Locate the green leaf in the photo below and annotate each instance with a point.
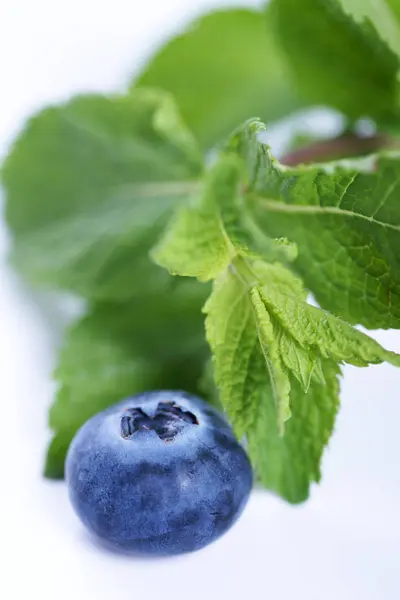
(270, 348)
(242, 359)
(56, 453)
(288, 464)
(383, 15)
(314, 328)
(207, 387)
(344, 219)
(311, 327)
(343, 53)
(196, 242)
(90, 185)
(224, 68)
(239, 365)
(304, 363)
(120, 350)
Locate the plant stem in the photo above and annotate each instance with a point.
(346, 145)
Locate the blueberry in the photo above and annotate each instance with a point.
(160, 473)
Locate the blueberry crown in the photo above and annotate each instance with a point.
(168, 420)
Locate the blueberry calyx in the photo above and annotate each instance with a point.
(168, 420)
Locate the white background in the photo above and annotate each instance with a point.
(344, 544)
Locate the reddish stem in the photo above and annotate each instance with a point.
(346, 145)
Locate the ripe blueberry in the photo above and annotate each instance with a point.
(160, 473)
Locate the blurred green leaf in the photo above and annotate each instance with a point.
(223, 69)
(342, 53)
(89, 186)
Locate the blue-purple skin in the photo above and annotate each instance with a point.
(160, 473)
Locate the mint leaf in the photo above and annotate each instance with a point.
(316, 329)
(285, 463)
(301, 359)
(304, 363)
(288, 464)
(239, 365)
(224, 68)
(344, 219)
(120, 350)
(271, 350)
(196, 243)
(96, 179)
(363, 81)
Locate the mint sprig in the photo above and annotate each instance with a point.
(262, 331)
